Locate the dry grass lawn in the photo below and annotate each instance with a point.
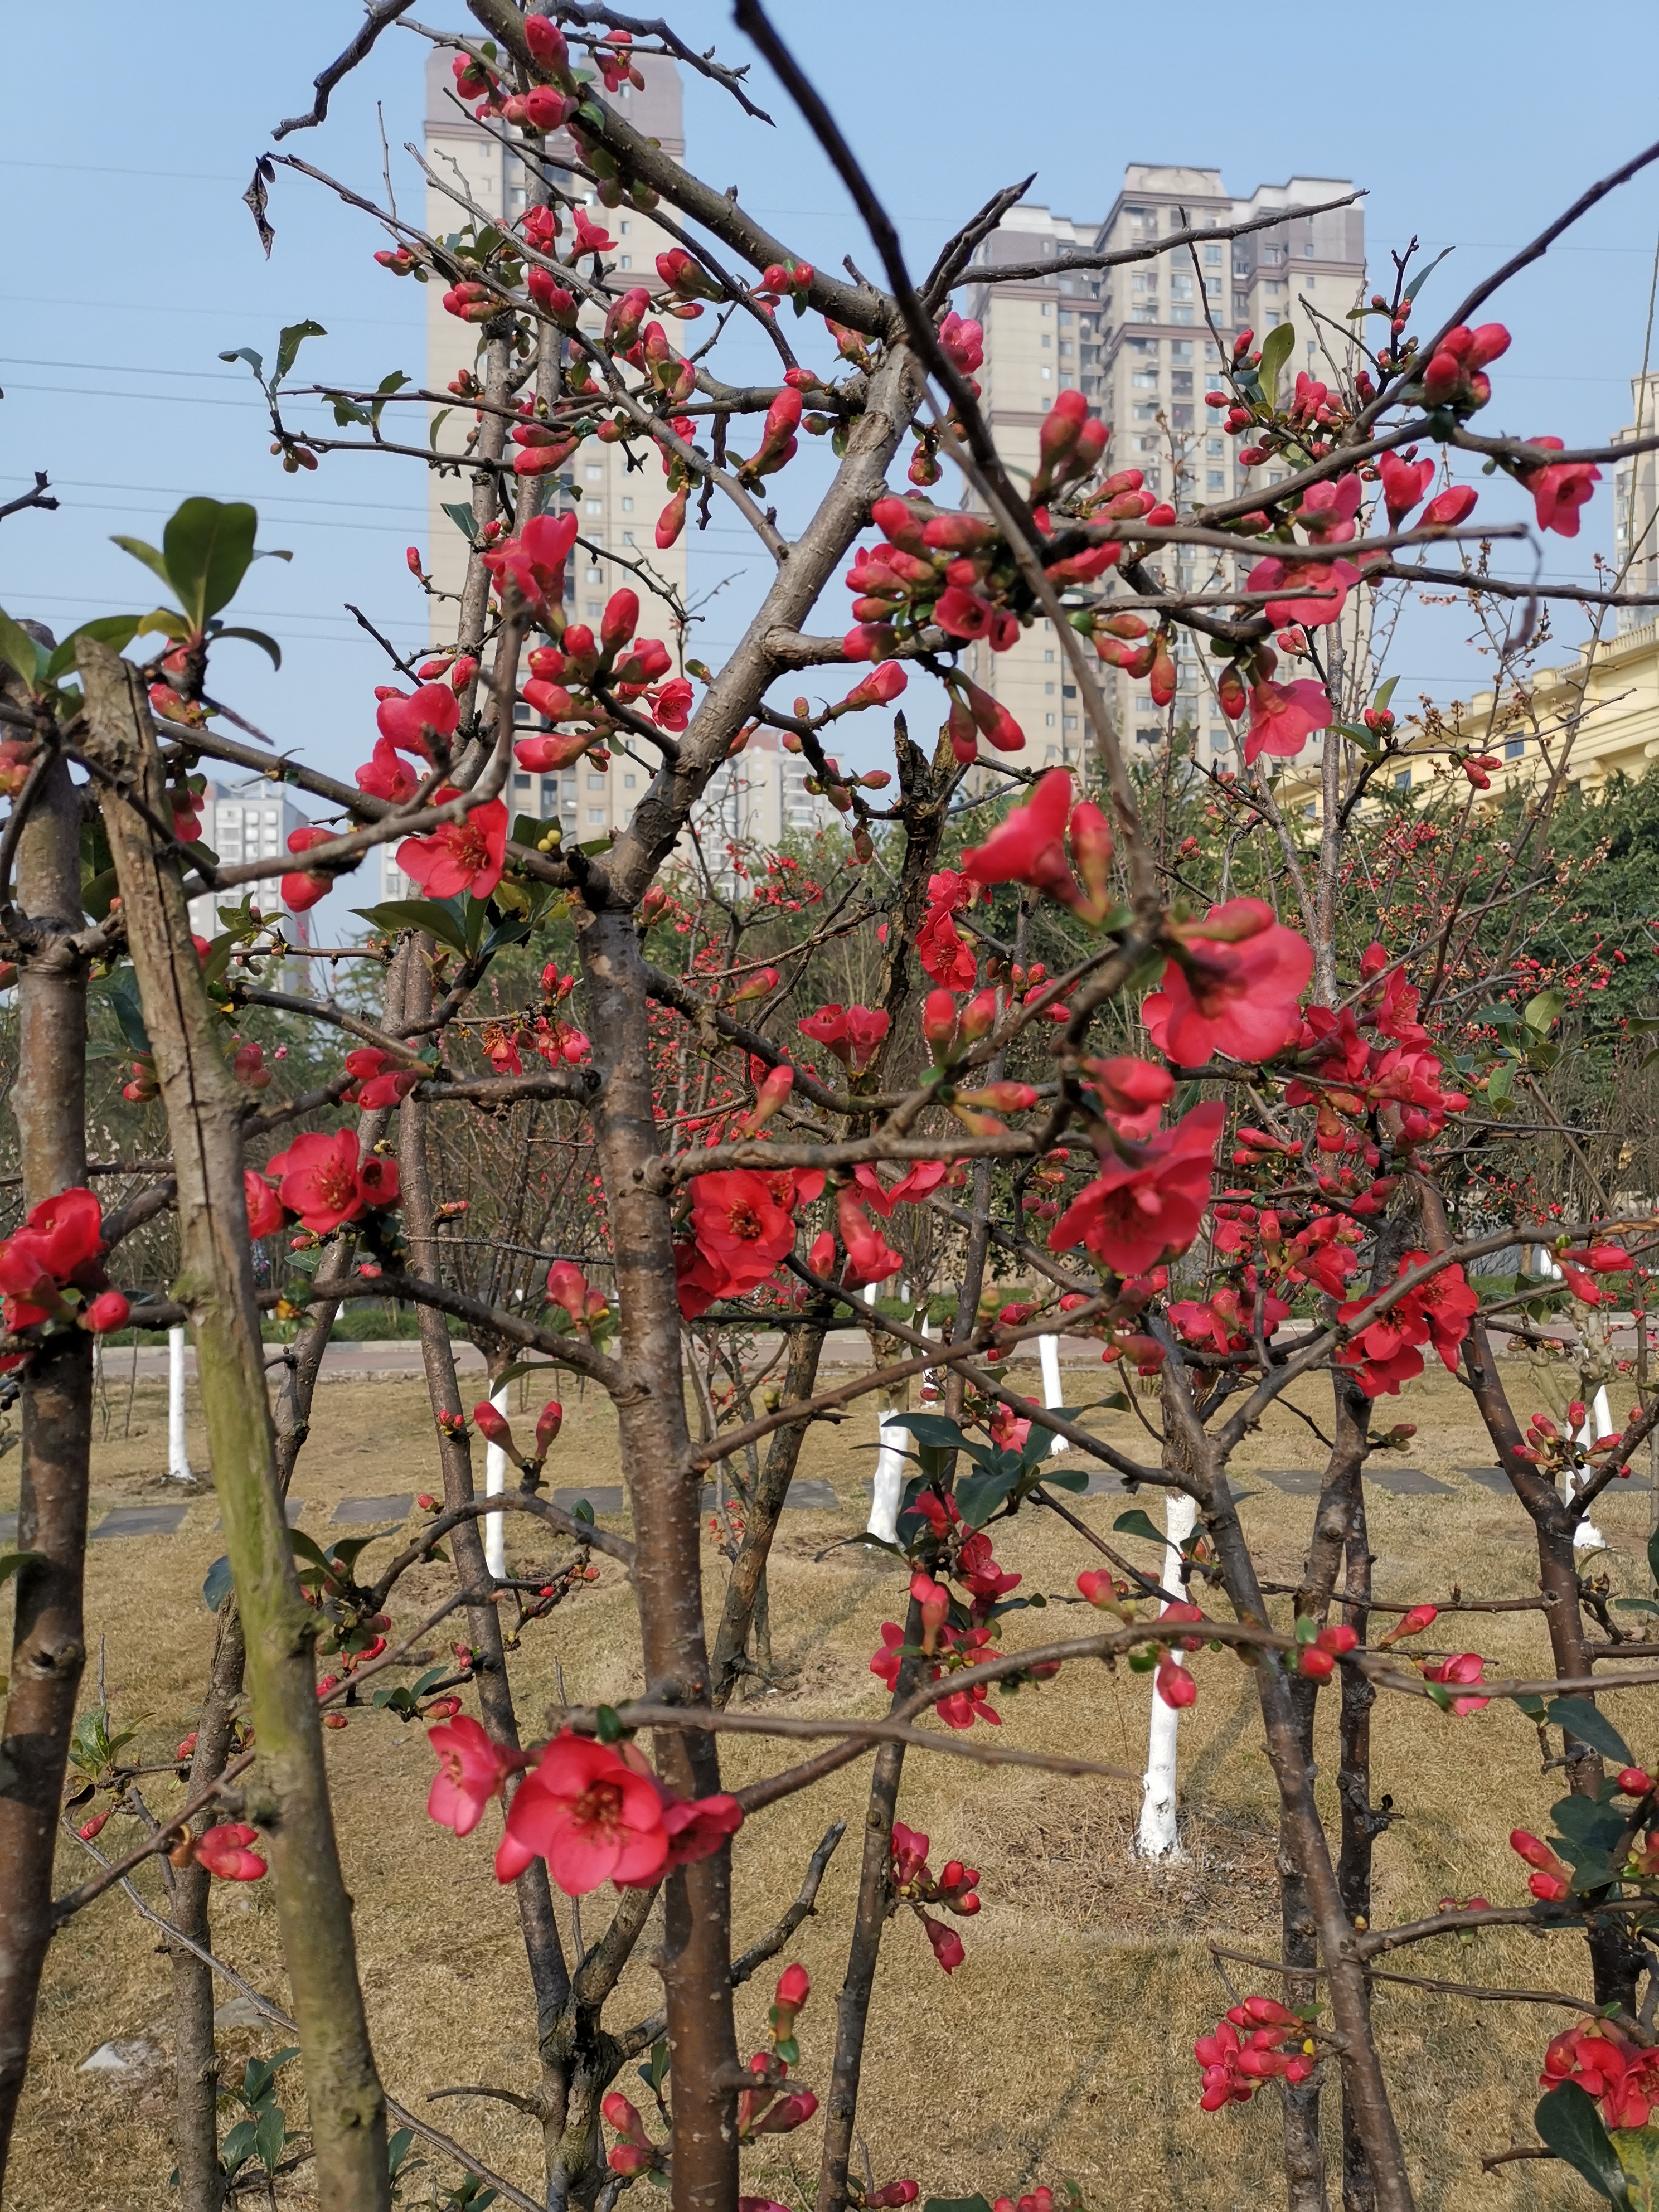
(1062, 2046)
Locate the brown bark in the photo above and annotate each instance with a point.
(1345, 1985)
(195, 2062)
(746, 1584)
(1361, 1824)
(664, 1491)
(48, 1638)
(870, 1918)
(215, 1286)
(1616, 1959)
(549, 1974)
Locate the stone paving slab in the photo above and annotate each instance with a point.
(1294, 1481)
(362, 1510)
(140, 1520)
(1406, 1481)
(1489, 1478)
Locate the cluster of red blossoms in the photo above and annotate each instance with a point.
(321, 1180)
(595, 1812)
(60, 1248)
(1247, 2047)
(1621, 2075)
(956, 1888)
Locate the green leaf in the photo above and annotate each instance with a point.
(1637, 2152)
(218, 1586)
(1275, 351)
(437, 919)
(397, 2149)
(609, 1724)
(1075, 1479)
(1135, 1523)
(237, 2148)
(267, 644)
(1653, 1557)
(19, 651)
(124, 998)
(463, 517)
(347, 411)
(583, 1511)
(10, 1563)
(1542, 1012)
(269, 2136)
(207, 545)
(437, 424)
(934, 1430)
(1581, 1718)
(1569, 2124)
(289, 342)
(1423, 274)
(256, 362)
(146, 553)
(978, 1496)
(1384, 692)
(116, 631)
(1531, 1707)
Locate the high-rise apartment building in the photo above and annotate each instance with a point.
(1636, 503)
(618, 502)
(1144, 342)
(250, 820)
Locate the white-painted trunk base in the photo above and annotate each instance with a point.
(495, 1483)
(1587, 1537)
(1157, 1837)
(178, 1457)
(1049, 1354)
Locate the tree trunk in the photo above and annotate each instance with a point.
(215, 1286)
(665, 1490)
(48, 1638)
(549, 1974)
(1361, 1825)
(745, 1588)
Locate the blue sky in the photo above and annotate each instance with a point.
(133, 262)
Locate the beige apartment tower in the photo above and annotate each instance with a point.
(1138, 341)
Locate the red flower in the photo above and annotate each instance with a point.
(472, 1769)
(69, 1230)
(1149, 1198)
(741, 1235)
(409, 720)
(1235, 989)
(590, 1815)
(108, 1310)
(533, 562)
(947, 1944)
(697, 1826)
(1404, 483)
(852, 1033)
(1560, 492)
(1462, 1667)
(1622, 2075)
(319, 1180)
(387, 774)
(1315, 593)
(1283, 715)
(869, 1257)
(223, 1850)
(462, 856)
(939, 945)
(1027, 848)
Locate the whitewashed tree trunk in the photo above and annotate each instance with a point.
(1156, 1838)
(887, 1489)
(178, 1457)
(1049, 1354)
(1587, 1537)
(495, 1483)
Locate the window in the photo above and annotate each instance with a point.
(1049, 690)
(595, 506)
(1180, 351)
(1045, 340)
(1181, 383)
(1215, 480)
(1043, 311)
(627, 537)
(521, 783)
(1045, 372)
(1212, 257)
(1307, 249)
(1066, 317)
(596, 814)
(1068, 690)
(628, 506)
(627, 783)
(625, 229)
(1065, 345)
(1514, 748)
(1049, 721)
(1403, 780)
(595, 780)
(1144, 379)
(594, 473)
(1047, 653)
(1214, 447)
(626, 259)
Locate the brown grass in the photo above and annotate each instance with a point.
(1062, 2046)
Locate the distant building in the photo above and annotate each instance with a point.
(1136, 341)
(759, 798)
(250, 821)
(618, 506)
(1636, 503)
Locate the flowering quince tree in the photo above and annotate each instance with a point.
(1210, 1102)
